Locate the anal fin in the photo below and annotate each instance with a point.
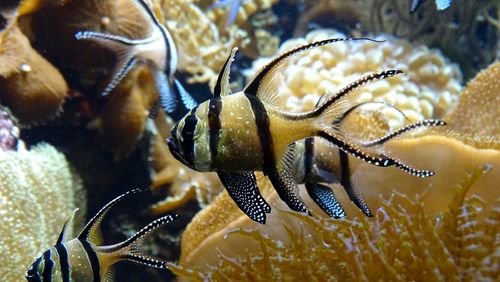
(324, 197)
(351, 190)
(242, 187)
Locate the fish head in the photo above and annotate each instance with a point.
(186, 138)
(36, 269)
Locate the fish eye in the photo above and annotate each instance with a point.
(189, 127)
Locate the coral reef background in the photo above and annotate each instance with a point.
(50, 87)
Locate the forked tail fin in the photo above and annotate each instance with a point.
(130, 248)
(331, 110)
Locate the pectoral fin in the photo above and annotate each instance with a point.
(282, 178)
(242, 187)
(324, 197)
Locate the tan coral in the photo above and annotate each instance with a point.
(402, 242)
(429, 88)
(481, 95)
(122, 120)
(202, 39)
(31, 87)
(38, 190)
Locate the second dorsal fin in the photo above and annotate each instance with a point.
(91, 231)
(222, 86)
(263, 84)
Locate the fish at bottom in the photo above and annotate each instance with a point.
(84, 259)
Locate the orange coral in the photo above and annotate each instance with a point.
(123, 119)
(402, 242)
(31, 87)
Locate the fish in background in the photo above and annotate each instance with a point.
(234, 6)
(440, 5)
(238, 134)
(158, 48)
(84, 258)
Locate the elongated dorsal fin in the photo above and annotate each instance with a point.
(63, 237)
(91, 230)
(263, 83)
(222, 86)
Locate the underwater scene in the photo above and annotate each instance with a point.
(249, 140)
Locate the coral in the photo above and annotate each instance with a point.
(202, 38)
(401, 243)
(37, 191)
(9, 132)
(429, 88)
(472, 120)
(122, 120)
(29, 85)
(461, 31)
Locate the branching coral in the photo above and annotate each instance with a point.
(401, 243)
(37, 191)
(29, 85)
(202, 38)
(429, 89)
(461, 31)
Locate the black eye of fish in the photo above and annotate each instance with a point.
(189, 126)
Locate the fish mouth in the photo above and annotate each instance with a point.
(174, 149)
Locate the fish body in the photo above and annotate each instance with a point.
(84, 259)
(440, 5)
(238, 134)
(234, 6)
(158, 48)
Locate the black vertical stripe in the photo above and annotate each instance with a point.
(48, 266)
(94, 260)
(64, 262)
(214, 126)
(264, 131)
(190, 123)
(308, 156)
(344, 170)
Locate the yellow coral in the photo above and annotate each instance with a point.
(401, 243)
(37, 192)
(480, 96)
(429, 88)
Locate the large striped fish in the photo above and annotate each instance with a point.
(84, 259)
(238, 134)
(158, 48)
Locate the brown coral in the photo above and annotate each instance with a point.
(37, 191)
(30, 86)
(400, 243)
(122, 120)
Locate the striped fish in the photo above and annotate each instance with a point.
(158, 48)
(244, 132)
(318, 162)
(84, 259)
